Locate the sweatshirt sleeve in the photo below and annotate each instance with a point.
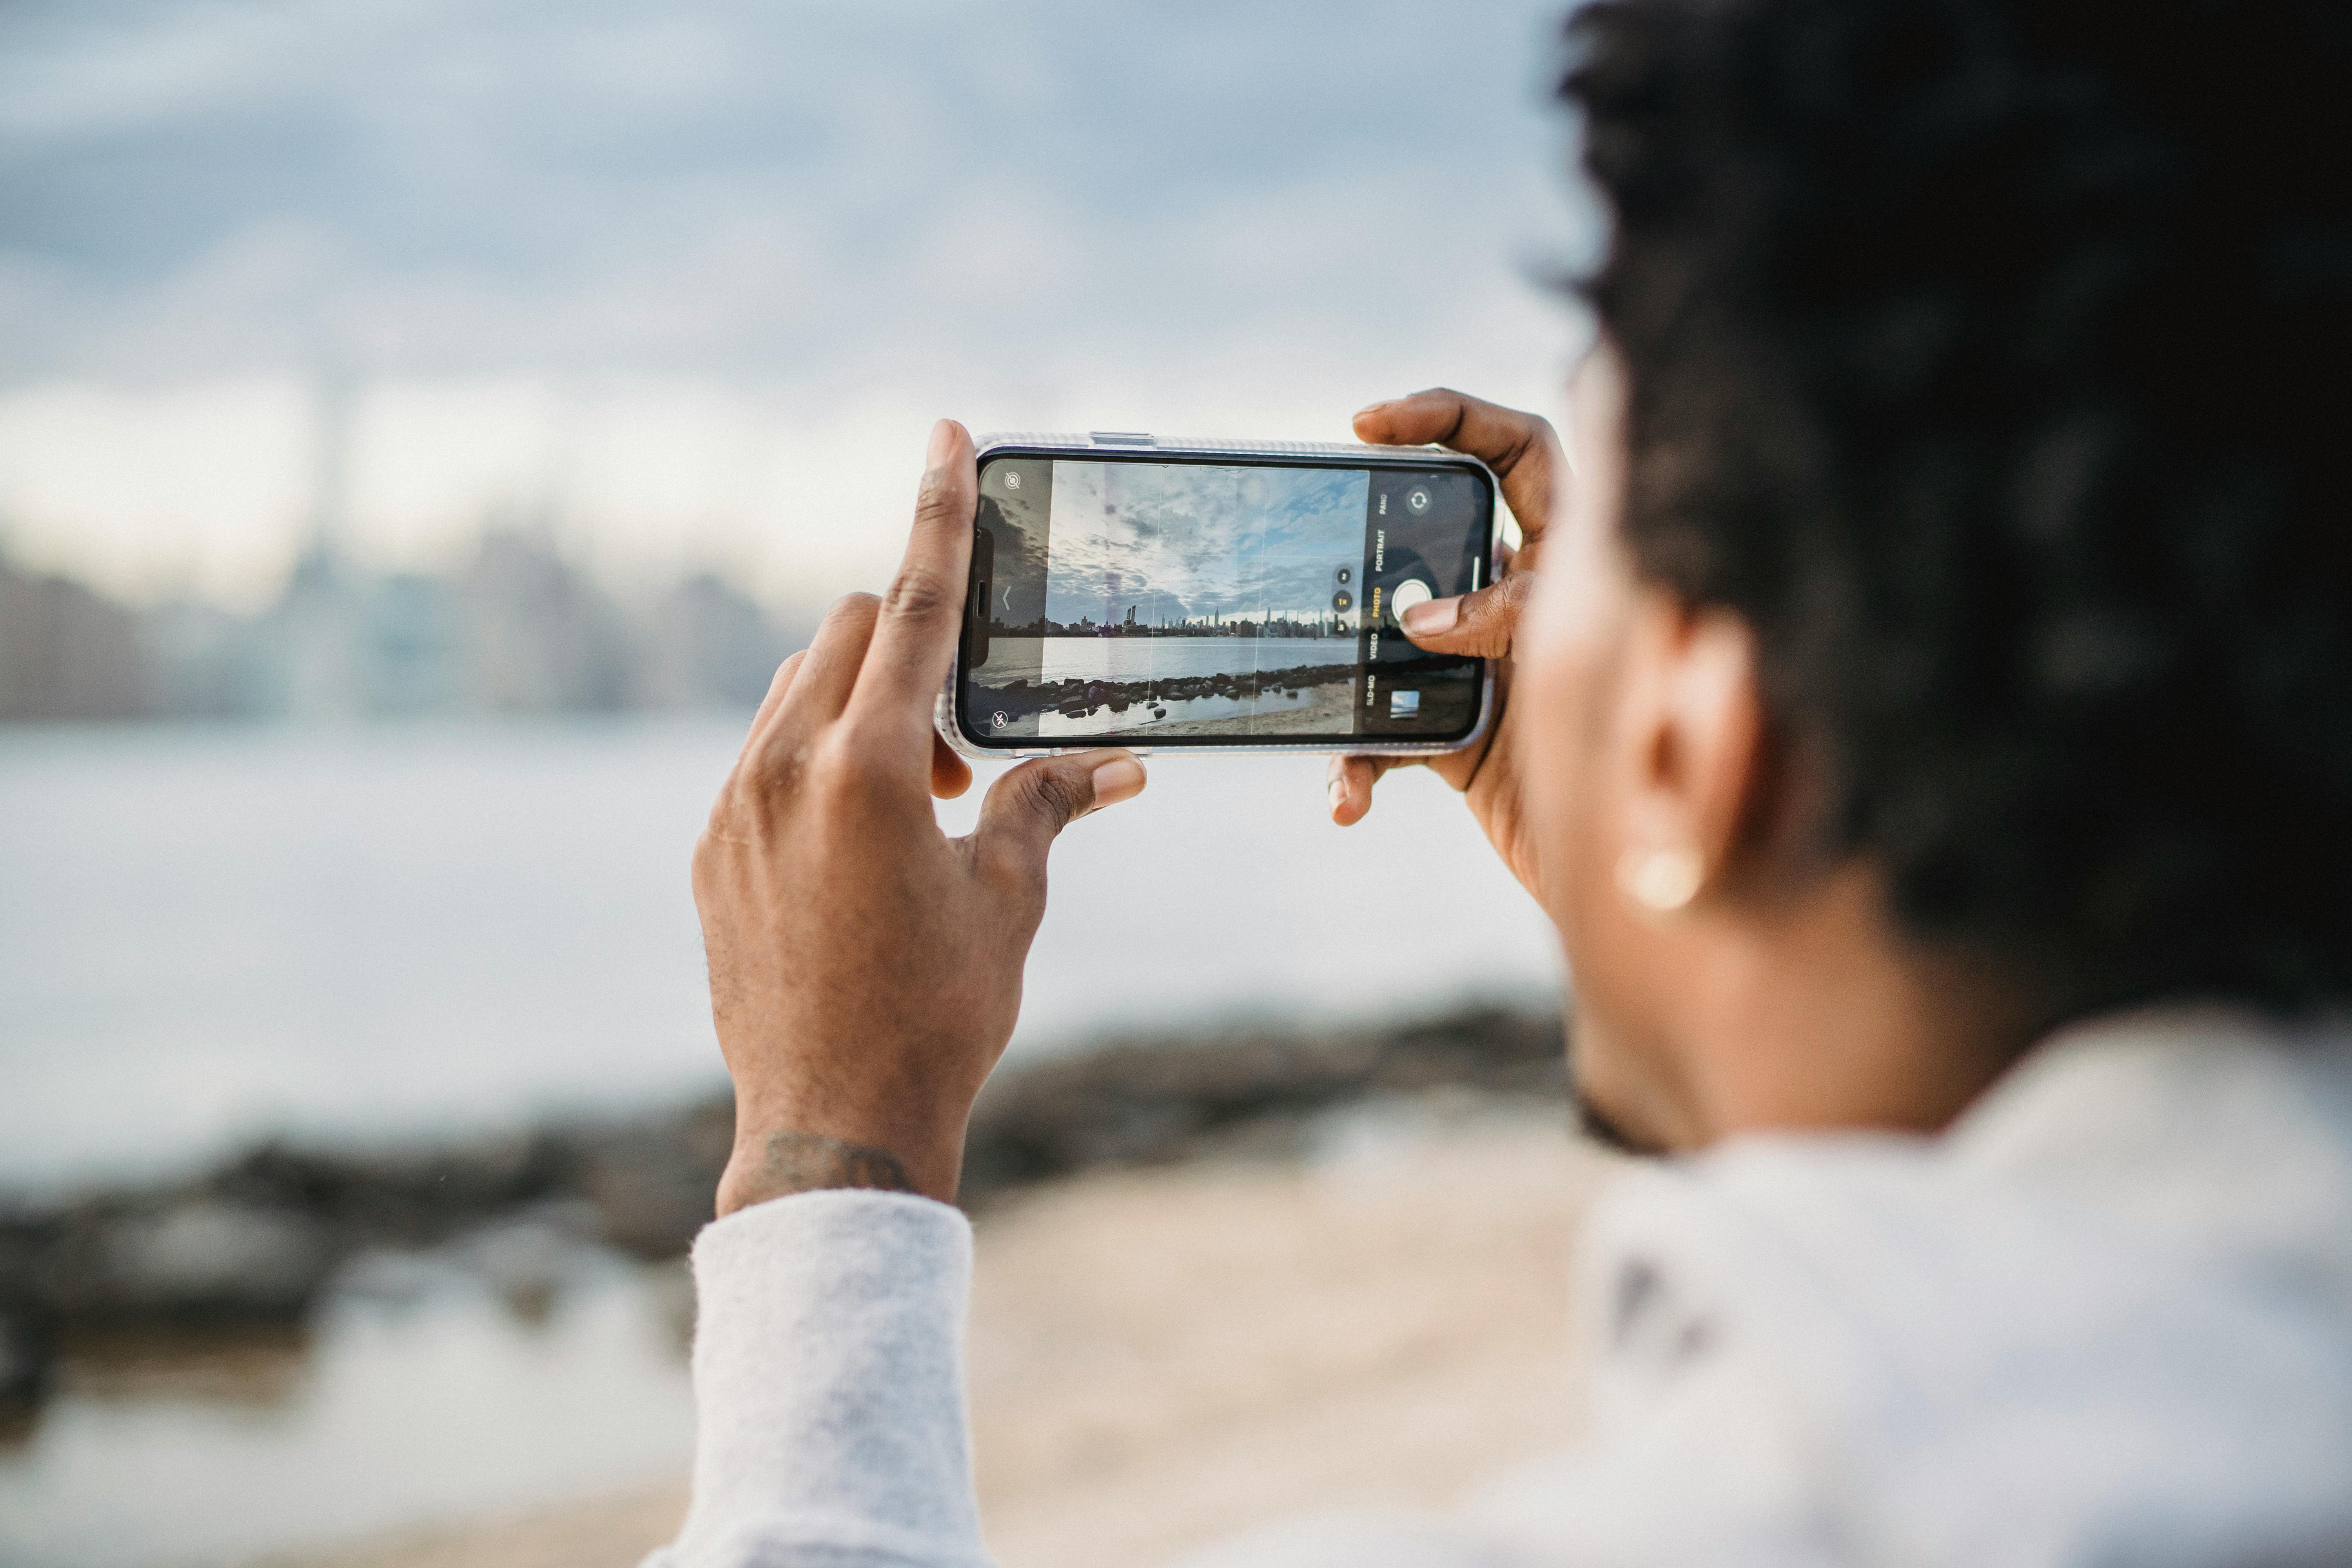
(829, 1387)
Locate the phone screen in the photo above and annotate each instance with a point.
(1166, 602)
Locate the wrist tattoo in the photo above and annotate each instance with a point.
(806, 1161)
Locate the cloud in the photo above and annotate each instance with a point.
(1183, 541)
(832, 222)
(437, 187)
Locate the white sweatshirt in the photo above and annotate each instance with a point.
(2105, 1319)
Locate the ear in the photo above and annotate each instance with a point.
(1690, 749)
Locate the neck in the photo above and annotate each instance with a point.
(1814, 1014)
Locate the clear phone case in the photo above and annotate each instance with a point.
(1131, 443)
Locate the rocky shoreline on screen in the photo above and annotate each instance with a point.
(258, 1240)
(1075, 698)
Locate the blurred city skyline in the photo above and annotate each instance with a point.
(685, 291)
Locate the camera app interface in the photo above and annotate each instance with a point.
(1174, 602)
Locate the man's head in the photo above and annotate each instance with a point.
(1953, 628)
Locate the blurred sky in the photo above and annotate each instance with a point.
(695, 277)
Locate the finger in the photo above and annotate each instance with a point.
(950, 775)
(1351, 780)
(914, 638)
(1480, 625)
(777, 688)
(1522, 448)
(1032, 803)
(828, 670)
(754, 753)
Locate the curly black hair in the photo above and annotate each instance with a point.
(1990, 358)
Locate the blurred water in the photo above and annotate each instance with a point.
(209, 934)
(417, 1395)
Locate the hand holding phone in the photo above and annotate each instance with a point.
(865, 968)
(1524, 453)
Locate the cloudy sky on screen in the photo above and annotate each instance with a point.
(695, 278)
(1181, 540)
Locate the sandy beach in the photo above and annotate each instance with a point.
(1160, 1358)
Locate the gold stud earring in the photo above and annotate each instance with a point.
(1660, 880)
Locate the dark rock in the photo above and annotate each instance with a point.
(256, 1240)
(198, 1259)
(653, 1184)
(404, 1196)
(1145, 1102)
(27, 1359)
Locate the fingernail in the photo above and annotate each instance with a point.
(1435, 616)
(1339, 795)
(1121, 778)
(1373, 407)
(935, 455)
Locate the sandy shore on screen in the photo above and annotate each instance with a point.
(1328, 711)
(1161, 1358)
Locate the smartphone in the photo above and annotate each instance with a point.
(1207, 595)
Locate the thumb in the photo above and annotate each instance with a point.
(1033, 802)
(1480, 625)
